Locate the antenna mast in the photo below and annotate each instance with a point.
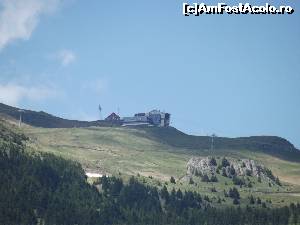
(100, 112)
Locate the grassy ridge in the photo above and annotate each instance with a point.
(43, 119)
(272, 145)
(275, 146)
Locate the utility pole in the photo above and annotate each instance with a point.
(20, 120)
(212, 142)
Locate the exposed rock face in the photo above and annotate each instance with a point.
(199, 165)
(205, 165)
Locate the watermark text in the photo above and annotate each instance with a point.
(198, 9)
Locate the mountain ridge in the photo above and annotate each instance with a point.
(46, 120)
(273, 145)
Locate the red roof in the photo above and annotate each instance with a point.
(113, 116)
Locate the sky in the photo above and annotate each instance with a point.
(231, 75)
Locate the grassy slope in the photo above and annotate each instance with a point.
(133, 151)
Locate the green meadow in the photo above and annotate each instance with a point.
(139, 152)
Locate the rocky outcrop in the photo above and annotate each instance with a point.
(199, 165)
(210, 166)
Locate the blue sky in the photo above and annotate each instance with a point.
(229, 75)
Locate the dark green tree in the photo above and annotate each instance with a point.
(205, 178)
(213, 162)
(213, 178)
(225, 162)
(251, 200)
(172, 180)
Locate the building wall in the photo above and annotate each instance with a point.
(154, 117)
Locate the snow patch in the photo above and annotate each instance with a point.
(93, 174)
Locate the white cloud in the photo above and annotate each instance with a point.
(66, 57)
(19, 18)
(13, 94)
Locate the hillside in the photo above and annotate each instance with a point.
(157, 154)
(40, 188)
(272, 145)
(124, 151)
